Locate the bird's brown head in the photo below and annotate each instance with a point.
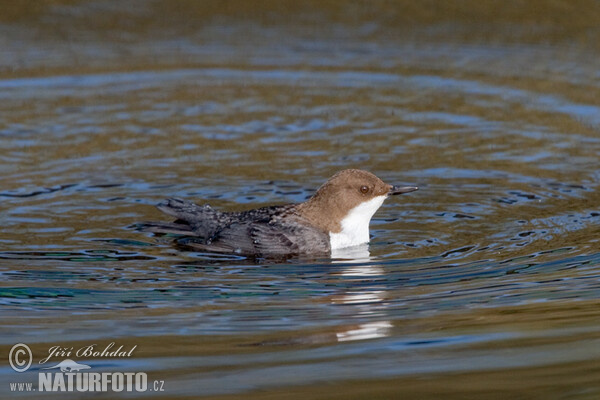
(342, 193)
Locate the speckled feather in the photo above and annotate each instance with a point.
(274, 230)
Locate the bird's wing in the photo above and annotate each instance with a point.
(271, 231)
(274, 238)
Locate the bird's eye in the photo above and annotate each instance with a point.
(364, 189)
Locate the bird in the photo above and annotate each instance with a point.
(336, 216)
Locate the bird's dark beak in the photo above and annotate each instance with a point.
(394, 190)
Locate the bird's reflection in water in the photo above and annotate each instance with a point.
(370, 330)
(354, 254)
(367, 302)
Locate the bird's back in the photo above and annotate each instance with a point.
(267, 231)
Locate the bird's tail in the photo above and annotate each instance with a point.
(166, 228)
(191, 219)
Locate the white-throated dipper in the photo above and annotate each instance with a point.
(335, 217)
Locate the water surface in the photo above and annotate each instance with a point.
(483, 284)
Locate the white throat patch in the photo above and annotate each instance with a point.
(355, 226)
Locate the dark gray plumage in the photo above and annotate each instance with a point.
(267, 231)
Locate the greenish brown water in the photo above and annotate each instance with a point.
(483, 284)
